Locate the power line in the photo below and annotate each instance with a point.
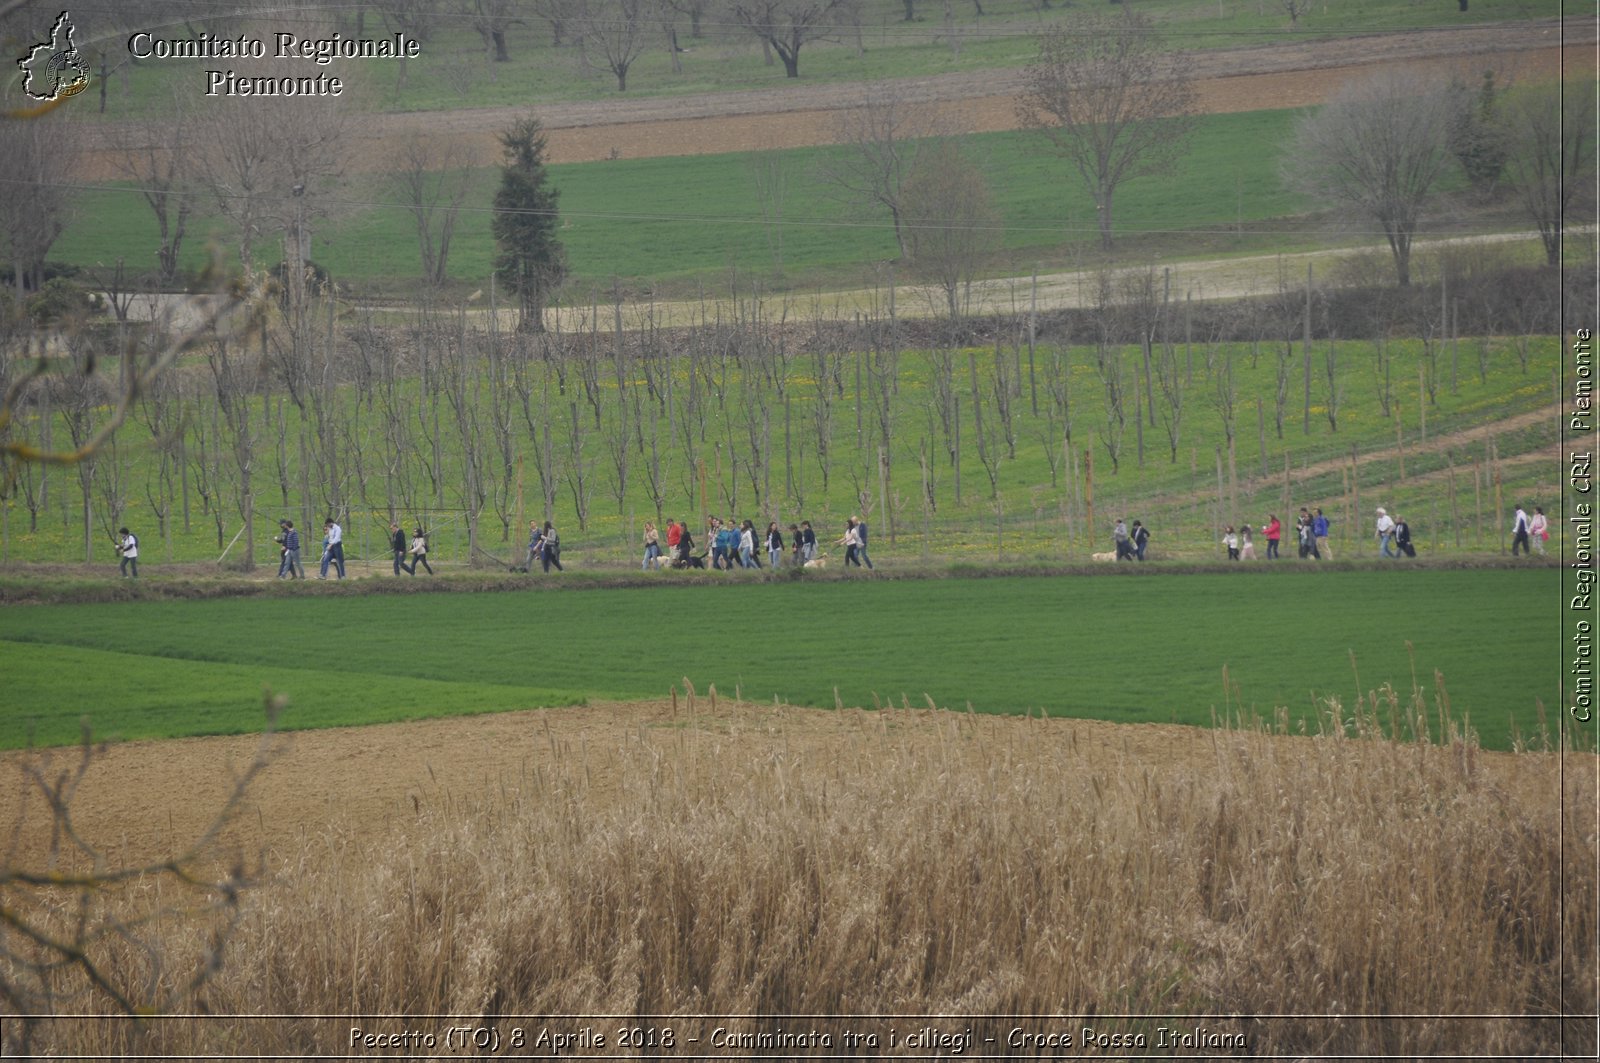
(337, 204)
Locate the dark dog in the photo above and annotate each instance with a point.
(690, 561)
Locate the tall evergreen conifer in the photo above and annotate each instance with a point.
(530, 261)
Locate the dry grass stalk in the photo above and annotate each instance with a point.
(932, 862)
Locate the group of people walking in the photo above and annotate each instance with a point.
(418, 547)
(1310, 531)
(733, 544)
(736, 544)
(1130, 542)
(1394, 535)
(332, 556)
(544, 546)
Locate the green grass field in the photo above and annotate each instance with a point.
(453, 69)
(680, 220)
(1147, 647)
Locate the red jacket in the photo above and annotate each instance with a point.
(1273, 530)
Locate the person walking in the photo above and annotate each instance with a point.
(1305, 538)
(1519, 532)
(1402, 537)
(684, 547)
(1140, 536)
(128, 553)
(1119, 537)
(1273, 531)
(1385, 533)
(333, 553)
(397, 545)
(1247, 544)
(1538, 528)
(283, 551)
(674, 533)
(715, 541)
(1230, 542)
(851, 543)
(289, 566)
(535, 537)
(861, 544)
(774, 545)
(1319, 533)
(652, 546)
(747, 545)
(551, 542)
(419, 553)
(808, 542)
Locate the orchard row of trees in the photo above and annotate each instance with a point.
(763, 407)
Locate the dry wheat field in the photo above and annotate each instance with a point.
(699, 875)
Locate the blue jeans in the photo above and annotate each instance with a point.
(861, 556)
(651, 552)
(334, 557)
(1386, 546)
(775, 556)
(745, 560)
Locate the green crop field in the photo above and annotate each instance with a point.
(1147, 647)
(682, 220)
(453, 69)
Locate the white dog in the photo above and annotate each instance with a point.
(820, 561)
(1107, 555)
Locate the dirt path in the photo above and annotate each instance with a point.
(1434, 445)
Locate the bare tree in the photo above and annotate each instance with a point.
(35, 195)
(882, 135)
(72, 919)
(618, 29)
(271, 168)
(951, 222)
(159, 158)
(432, 183)
(695, 9)
(1553, 159)
(770, 172)
(1377, 149)
(1111, 100)
(235, 372)
(414, 18)
(787, 25)
(492, 18)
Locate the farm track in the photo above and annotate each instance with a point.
(1435, 444)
